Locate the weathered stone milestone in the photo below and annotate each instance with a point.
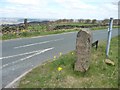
(83, 50)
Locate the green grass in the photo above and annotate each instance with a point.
(75, 24)
(0, 37)
(37, 28)
(100, 75)
(103, 27)
(98, 28)
(31, 34)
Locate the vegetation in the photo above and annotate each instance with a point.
(94, 21)
(37, 28)
(60, 26)
(31, 34)
(103, 27)
(59, 73)
(0, 37)
(76, 24)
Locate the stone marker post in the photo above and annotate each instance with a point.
(83, 50)
(25, 23)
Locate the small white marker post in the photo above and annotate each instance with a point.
(109, 37)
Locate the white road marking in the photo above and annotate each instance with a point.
(38, 43)
(39, 52)
(20, 54)
(36, 54)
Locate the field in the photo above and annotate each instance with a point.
(39, 30)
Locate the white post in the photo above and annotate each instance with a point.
(109, 37)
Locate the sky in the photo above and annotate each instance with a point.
(59, 9)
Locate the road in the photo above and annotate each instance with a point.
(20, 55)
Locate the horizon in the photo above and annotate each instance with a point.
(53, 18)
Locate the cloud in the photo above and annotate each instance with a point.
(82, 9)
(60, 9)
(74, 4)
(26, 2)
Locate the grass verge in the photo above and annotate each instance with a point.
(31, 34)
(100, 75)
(0, 37)
(103, 27)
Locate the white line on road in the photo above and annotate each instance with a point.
(36, 54)
(39, 52)
(38, 43)
(19, 54)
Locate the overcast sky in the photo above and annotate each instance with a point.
(75, 9)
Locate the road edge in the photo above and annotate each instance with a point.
(38, 36)
(16, 81)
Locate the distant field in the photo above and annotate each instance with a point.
(37, 28)
(43, 29)
(78, 24)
